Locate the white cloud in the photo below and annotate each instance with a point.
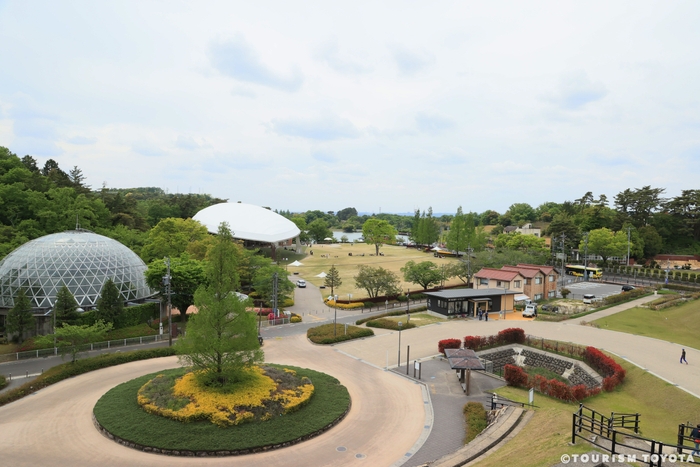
(237, 59)
(411, 62)
(330, 54)
(430, 123)
(575, 90)
(81, 140)
(324, 128)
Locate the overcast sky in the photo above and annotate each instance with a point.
(382, 106)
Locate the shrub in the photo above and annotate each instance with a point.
(448, 344)
(564, 292)
(391, 313)
(613, 373)
(511, 336)
(474, 342)
(515, 376)
(389, 324)
(295, 319)
(3, 381)
(625, 296)
(475, 418)
(346, 306)
(324, 334)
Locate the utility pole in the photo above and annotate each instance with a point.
(563, 259)
(469, 263)
(274, 296)
(585, 256)
(167, 281)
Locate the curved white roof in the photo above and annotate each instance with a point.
(248, 222)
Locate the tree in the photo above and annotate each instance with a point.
(425, 230)
(318, 230)
(172, 237)
(520, 213)
(300, 222)
(463, 233)
(686, 207)
(564, 224)
(186, 274)
(378, 232)
(333, 279)
(264, 280)
(606, 243)
(376, 280)
(110, 304)
(221, 340)
(20, 318)
(518, 241)
(639, 204)
(425, 273)
(345, 214)
(653, 243)
(71, 339)
(66, 308)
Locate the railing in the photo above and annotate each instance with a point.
(83, 348)
(500, 401)
(588, 421)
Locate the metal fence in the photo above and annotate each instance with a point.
(84, 348)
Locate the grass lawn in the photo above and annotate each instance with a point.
(8, 348)
(325, 334)
(119, 412)
(680, 324)
(545, 438)
(395, 257)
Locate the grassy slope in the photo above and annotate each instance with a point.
(661, 405)
(119, 412)
(679, 324)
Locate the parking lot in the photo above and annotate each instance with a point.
(599, 289)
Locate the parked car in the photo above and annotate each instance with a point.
(301, 283)
(530, 311)
(627, 288)
(588, 298)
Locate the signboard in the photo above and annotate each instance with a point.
(561, 256)
(416, 365)
(531, 396)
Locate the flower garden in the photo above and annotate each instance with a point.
(172, 413)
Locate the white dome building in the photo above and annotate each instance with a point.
(250, 223)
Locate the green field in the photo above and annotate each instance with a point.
(395, 257)
(679, 324)
(546, 436)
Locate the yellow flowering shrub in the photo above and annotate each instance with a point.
(267, 392)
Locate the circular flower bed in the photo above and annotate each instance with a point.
(120, 417)
(263, 393)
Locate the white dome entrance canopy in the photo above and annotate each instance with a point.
(79, 259)
(248, 222)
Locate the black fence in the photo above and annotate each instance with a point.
(588, 422)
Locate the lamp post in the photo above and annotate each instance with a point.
(668, 268)
(399, 356)
(335, 314)
(166, 282)
(408, 306)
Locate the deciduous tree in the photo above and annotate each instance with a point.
(186, 273)
(376, 281)
(378, 232)
(71, 339)
(425, 273)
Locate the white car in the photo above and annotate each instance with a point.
(530, 311)
(301, 283)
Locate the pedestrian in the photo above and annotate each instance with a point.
(683, 357)
(486, 315)
(695, 434)
(479, 313)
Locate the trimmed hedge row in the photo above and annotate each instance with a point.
(3, 381)
(504, 337)
(625, 296)
(131, 316)
(389, 324)
(516, 376)
(448, 344)
(391, 313)
(70, 369)
(324, 334)
(612, 372)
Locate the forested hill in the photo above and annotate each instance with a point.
(37, 201)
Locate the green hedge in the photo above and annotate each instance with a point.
(70, 369)
(419, 309)
(131, 316)
(389, 324)
(3, 381)
(625, 296)
(324, 334)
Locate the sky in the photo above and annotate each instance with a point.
(385, 106)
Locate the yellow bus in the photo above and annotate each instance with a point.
(578, 270)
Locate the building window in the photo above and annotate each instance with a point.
(538, 280)
(551, 278)
(552, 293)
(499, 284)
(442, 303)
(516, 284)
(538, 296)
(527, 281)
(483, 281)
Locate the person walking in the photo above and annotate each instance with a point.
(683, 360)
(695, 434)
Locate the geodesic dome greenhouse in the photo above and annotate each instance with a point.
(79, 259)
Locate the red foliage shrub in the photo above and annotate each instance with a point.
(448, 344)
(559, 390)
(271, 316)
(540, 383)
(511, 336)
(579, 392)
(613, 373)
(474, 342)
(514, 376)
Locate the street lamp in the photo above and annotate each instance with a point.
(166, 282)
(399, 357)
(408, 305)
(668, 268)
(335, 314)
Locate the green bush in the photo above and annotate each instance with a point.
(70, 369)
(625, 296)
(475, 417)
(419, 309)
(3, 381)
(389, 324)
(324, 334)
